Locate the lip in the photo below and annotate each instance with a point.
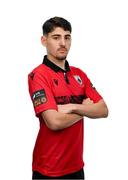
(62, 50)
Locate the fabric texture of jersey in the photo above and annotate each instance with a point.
(57, 153)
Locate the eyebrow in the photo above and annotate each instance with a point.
(54, 35)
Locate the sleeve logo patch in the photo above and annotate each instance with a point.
(39, 97)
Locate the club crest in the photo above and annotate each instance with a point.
(78, 79)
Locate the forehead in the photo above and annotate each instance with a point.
(59, 31)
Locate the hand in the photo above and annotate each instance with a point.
(87, 101)
(66, 108)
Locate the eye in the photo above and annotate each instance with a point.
(56, 37)
(67, 37)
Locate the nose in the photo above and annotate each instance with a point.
(62, 42)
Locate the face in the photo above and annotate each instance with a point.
(57, 43)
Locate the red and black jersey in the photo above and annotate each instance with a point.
(57, 153)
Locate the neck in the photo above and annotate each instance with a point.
(60, 63)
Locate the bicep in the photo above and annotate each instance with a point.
(50, 118)
(101, 104)
(41, 94)
(102, 108)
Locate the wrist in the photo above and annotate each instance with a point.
(79, 109)
(74, 108)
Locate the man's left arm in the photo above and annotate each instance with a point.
(87, 108)
(94, 110)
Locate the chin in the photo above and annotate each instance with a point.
(61, 57)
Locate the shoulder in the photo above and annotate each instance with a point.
(41, 69)
(38, 73)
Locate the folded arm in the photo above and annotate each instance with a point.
(69, 114)
(56, 120)
(87, 108)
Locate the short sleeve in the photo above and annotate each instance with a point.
(40, 93)
(90, 90)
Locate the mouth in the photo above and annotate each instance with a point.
(62, 50)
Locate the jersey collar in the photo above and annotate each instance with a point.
(54, 67)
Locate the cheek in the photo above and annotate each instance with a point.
(51, 47)
(68, 46)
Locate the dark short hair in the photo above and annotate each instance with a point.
(54, 22)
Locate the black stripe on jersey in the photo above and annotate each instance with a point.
(69, 99)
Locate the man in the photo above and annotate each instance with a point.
(62, 95)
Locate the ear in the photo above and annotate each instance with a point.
(43, 40)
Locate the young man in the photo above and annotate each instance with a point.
(62, 95)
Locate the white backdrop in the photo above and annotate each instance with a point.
(99, 47)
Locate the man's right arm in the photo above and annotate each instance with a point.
(57, 121)
(45, 104)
